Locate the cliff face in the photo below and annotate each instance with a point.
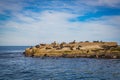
(75, 49)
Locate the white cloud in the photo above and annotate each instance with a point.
(107, 3)
(75, 6)
(111, 3)
(52, 24)
(48, 26)
(11, 6)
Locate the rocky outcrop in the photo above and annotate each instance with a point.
(75, 49)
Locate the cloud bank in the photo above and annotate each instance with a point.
(30, 23)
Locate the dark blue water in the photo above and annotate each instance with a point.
(14, 66)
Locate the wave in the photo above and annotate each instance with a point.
(11, 51)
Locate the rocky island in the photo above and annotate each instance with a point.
(95, 49)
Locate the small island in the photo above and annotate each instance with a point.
(95, 49)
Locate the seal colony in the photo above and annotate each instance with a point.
(95, 49)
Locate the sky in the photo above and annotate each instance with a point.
(30, 22)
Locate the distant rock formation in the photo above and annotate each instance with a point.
(95, 49)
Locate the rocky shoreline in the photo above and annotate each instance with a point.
(95, 49)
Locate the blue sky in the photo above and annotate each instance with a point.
(30, 22)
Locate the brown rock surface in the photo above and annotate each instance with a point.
(76, 49)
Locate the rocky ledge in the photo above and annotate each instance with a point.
(95, 49)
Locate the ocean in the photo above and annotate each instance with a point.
(15, 66)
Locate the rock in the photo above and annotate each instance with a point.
(28, 52)
(37, 46)
(114, 57)
(75, 49)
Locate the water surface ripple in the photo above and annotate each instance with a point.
(14, 66)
